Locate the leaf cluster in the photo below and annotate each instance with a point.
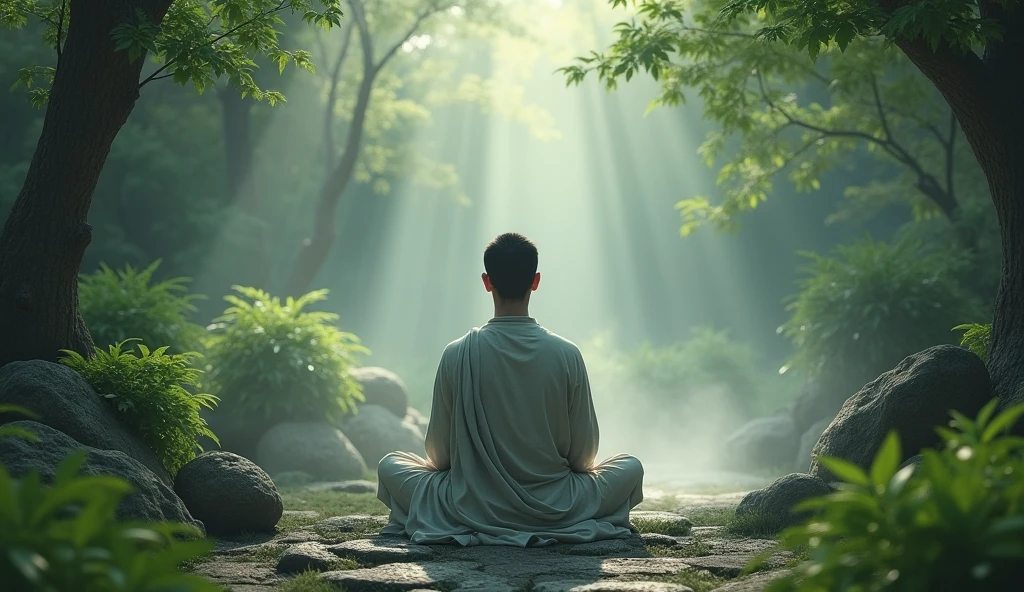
(129, 304)
(977, 338)
(272, 359)
(782, 114)
(868, 305)
(154, 393)
(64, 537)
(955, 521)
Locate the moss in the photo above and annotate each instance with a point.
(697, 579)
(698, 547)
(666, 527)
(309, 581)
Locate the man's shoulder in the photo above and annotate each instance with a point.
(560, 343)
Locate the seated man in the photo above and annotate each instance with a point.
(512, 435)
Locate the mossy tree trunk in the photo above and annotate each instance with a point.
(46, 234)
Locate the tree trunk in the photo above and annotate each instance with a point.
(983, 95)
(46, 234)
(315, 250)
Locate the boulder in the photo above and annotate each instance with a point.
(382, 387)
(913, 399)
(375, 432)
(316, 448)
(64, 401)
(415, 417)
(152, 501)
(229, 493)
(763, 443)
(776, 502)
(807, 443)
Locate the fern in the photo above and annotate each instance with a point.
(152, 392)
(977, 338)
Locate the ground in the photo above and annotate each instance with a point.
(327, 541)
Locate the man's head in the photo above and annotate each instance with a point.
(511, 264)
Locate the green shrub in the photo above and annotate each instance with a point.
(954, 522)
(127, 304)
(153, 393)
(274, 360)
(65, 538)
(861, 311)
(977, 338)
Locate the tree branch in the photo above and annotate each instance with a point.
(332, 93)
(157, 74)
(436, 8)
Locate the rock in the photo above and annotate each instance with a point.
(807, 443)
(776, 501)
(668, 523)
(414, 417)
(755, 583)
(229, 493)
(236, 574)
(305, 557)
(606, 548)
(610, 586)
(375, 432)
(763, 443)
(353, 523)
(382, 550)
(912, 399)
(64, 401)
(384, 388)
(293, 479)
(152, 501)
(401, 577)
(357, 486)
(315, 448)
(653, 539)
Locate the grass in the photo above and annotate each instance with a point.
(698, 547)
(326, 504)
(755, 525)
(697, 579)
(679, 527)
(309, 581)
(711, 516)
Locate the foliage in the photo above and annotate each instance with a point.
(64, 537)
(197, 41)
(976, 338)
(870, 304)
(953, 522)
(129, 304)
(273, 359)
(793, 116)
(152, 393)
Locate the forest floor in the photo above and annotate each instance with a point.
(328, 541)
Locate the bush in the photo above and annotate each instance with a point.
(64, 537)
(152, 393)
(126, 304)
(274, 360)
(954, 522)
(871, 304)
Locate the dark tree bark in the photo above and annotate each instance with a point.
(984, 94)
(46, 234)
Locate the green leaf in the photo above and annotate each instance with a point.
(887, 460)
(1002, 422)
(845, 470)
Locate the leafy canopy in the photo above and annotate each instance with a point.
(783, 114)
(270, 359)
(129, 304)
(953, 522)
(155, 393)
(870, 304)
(197, 42)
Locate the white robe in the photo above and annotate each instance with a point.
(510, 449)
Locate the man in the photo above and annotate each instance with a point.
(512, 436)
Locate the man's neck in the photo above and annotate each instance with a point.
(515, 308)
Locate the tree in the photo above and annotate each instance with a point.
(89, 93)
(973, 54)
(381, 35)
(794, 116)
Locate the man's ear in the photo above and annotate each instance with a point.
(536, 281)
(487, 282)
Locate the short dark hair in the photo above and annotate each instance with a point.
(511, 263)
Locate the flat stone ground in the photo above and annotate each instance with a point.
(328, 540)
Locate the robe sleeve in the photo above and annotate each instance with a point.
(584, 435)
(439, 428)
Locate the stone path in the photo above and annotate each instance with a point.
(349, 555)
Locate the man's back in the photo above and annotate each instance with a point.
(534, 393)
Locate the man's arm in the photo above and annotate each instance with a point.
(439, 428)
(584, 434)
